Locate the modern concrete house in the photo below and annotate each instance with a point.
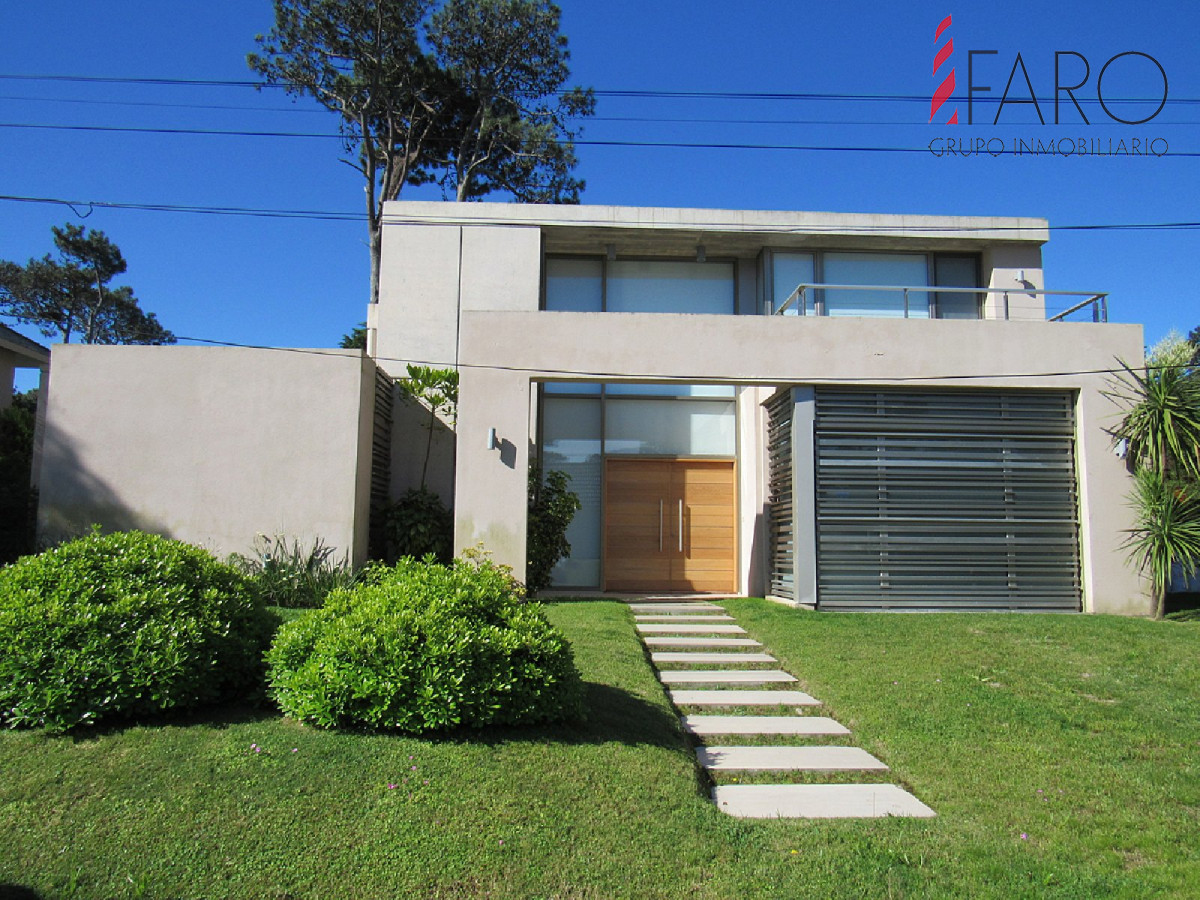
(841, 411)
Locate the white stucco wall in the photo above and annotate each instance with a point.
(210, 445)
(792, 350)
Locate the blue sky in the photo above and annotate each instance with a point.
(296, 282)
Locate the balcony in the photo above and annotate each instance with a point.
(936, 302)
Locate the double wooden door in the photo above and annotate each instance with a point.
(670, 525)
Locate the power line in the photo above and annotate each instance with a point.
(671, 120)
(680, 379)
(619, 92)
(328, 215)
(581, 142)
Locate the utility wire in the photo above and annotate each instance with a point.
(327, 215)
(680, 379)
(671, 120)
(624, 93)
(579, 142)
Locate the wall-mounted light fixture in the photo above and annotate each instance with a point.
(610, 251)
(491, 439)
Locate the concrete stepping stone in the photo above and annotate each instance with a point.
(794, 759)
(713, 642)
(706, 725)
(675, 607)
(725, 676)
(697, 658)
(742, 698)
(688, 628)
(818, 801)
(711, 617)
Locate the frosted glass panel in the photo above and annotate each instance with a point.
(571, 387)
(787, 271)
(670, 287)
(898, 269)
(665, 428)
(956, 271)
(573, 285)
(571, 444)
(670, 390)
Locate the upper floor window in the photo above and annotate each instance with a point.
(857, 273)
(641, 286)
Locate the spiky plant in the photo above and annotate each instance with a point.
(1167, 531)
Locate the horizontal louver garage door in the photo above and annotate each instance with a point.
(780, 505)
(953, 500)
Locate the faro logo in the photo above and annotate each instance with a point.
(1078, 65)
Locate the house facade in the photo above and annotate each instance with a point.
(841, 411)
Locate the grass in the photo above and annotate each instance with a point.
(1079, 733)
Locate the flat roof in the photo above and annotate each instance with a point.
(574, 228)
(30, 354)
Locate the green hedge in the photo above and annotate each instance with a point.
(428, 647)
(121, 625)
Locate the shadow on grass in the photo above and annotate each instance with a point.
(18, 892)
(610, 715)
(218, 717)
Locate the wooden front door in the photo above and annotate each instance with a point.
(670, 525)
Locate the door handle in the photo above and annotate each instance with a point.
(680, 524)
(660, 525)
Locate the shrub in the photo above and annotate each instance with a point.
(552, 506)
(17, 497)
(419, 524)
(285, 574)
(122, 625)
(428, 647)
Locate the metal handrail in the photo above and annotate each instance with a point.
(1097, 300)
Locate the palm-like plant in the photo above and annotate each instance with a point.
(1161, 427)
(1167, 533)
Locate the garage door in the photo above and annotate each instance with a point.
(946, 500)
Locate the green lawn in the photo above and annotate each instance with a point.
(1062, 754)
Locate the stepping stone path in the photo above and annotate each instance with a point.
(725, 688)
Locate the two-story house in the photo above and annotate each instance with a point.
(843, 411)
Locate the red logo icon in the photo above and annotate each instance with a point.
(946, 88)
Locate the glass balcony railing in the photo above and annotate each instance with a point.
(933, 301)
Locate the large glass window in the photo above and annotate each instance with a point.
(787, 271)
(894, 269)
(577, 432)
(956, 271)
(669, 287)
(640, 286)
(571, 444)
(574, 285)
(666, 428)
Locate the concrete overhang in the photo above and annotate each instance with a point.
(29, 354)
(661, 231)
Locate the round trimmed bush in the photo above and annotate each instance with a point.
(122, 625)
(426, 647)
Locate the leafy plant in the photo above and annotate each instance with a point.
(420, 525)
(286, 574)
(121, 625)
(552, 506)
(1161, 422)
(1167, 532)
(427, 647)
(1161, 427)
(16, 460)
(437, 391)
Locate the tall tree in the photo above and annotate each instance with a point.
(510, 127)
(481, 110)
(69, 297)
